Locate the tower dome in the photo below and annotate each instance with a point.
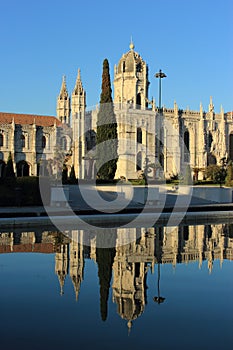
(131, 61)
(131, 79)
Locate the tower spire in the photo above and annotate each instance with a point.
(131, 46)
(63, 103)
(78, 89)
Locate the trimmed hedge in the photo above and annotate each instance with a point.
(23, 191)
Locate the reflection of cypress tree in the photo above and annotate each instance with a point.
(105, 258)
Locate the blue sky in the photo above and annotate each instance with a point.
(191, 41)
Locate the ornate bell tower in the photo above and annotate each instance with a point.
(78, 108)
(78, 103)
(131, 80)
(63, 104)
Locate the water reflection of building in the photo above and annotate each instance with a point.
(130, 268)
(196, 243)
(20, 241)
(130, 262)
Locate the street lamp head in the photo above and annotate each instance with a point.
(160, 74)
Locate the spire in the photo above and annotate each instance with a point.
(222, 111)
(63, 92)
(129, 325)
(63, 103)
(78, 102)
(78, 89)
(79, 75)
(175, 109)
(211, 106)
(61, 279)
(131, 46)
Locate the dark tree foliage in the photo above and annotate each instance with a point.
(229, 176)
(106, 138)
(72, 175)
(9, 169)
(105, 258)
(64, 174)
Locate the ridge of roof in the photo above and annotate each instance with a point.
(24, 119)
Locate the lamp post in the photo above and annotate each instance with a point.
(159, 142)
(160, 75)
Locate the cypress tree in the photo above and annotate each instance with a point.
(229, 177)
(9, 169)
(106, 138)
(72, 175)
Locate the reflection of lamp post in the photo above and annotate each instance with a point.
(158, 299)
(160, 75)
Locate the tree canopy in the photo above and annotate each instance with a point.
(106, 138)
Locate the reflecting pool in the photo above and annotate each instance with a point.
(170, 287)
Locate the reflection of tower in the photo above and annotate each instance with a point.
(76, 262)
(61, 264)
(130, 268)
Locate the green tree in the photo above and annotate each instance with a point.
(106, 137)
(216, 173)
(9, 169)
(229, 176)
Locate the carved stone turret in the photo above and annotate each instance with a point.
(78, 96)
(63, 104)
(131, 80)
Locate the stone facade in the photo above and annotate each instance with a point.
(162, 140)
(169, 139)
(33, 141)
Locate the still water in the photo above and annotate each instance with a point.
(167, 288)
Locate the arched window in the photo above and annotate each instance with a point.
(186, 148)
(210, 140)
(139, 67)
(1, 140)
(123, 67)
(231, 146)
(138, 102)
(139, 135)
(22, 141)
(22, 168)
(211, 159)
(43, 141)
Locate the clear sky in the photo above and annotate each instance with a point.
(190, 40)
